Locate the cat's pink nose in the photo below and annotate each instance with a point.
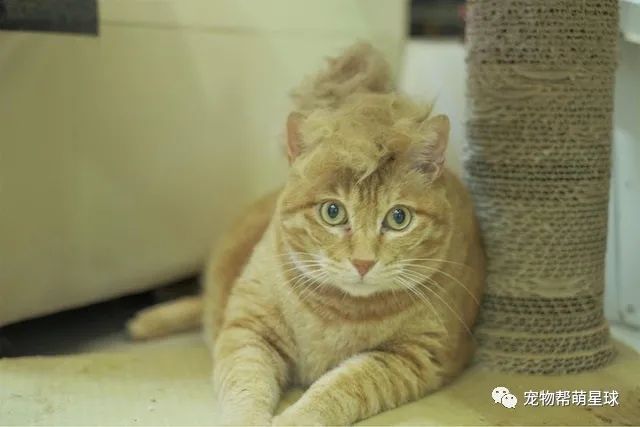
(362, 265)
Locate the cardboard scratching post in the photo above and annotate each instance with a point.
(540, 91)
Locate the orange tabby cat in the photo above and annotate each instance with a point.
(359, 280)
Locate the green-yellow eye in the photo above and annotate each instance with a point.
(333, 213)
(398, 218)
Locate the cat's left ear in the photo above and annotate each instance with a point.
(294, 139)
(432, 152)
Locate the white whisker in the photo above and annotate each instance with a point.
(297, 267)
(313, 286)
(422, 297)
(446, 261)
(443, 301)
(444, 273)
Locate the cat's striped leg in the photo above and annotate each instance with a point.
(366, 384)
(250, 369)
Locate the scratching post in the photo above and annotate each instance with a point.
(540, 93)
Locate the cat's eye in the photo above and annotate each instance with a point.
(398, 218)
(333, 212)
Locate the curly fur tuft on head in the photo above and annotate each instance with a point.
(366, 129)
(360, 68)
(352, 114)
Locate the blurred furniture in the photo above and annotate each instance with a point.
(123, 156)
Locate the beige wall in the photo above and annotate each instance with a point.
(123, 156)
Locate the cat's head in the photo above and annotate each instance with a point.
(364, 208)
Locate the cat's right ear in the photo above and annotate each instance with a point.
(294, 140)
(431, 156)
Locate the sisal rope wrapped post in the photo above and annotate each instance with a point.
(540, 93)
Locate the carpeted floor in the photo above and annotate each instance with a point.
(166, 382)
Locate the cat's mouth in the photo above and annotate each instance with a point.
(360, 288)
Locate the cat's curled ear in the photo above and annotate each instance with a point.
(294, 139)
(431, 154)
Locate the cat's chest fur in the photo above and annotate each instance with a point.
(322, 345)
